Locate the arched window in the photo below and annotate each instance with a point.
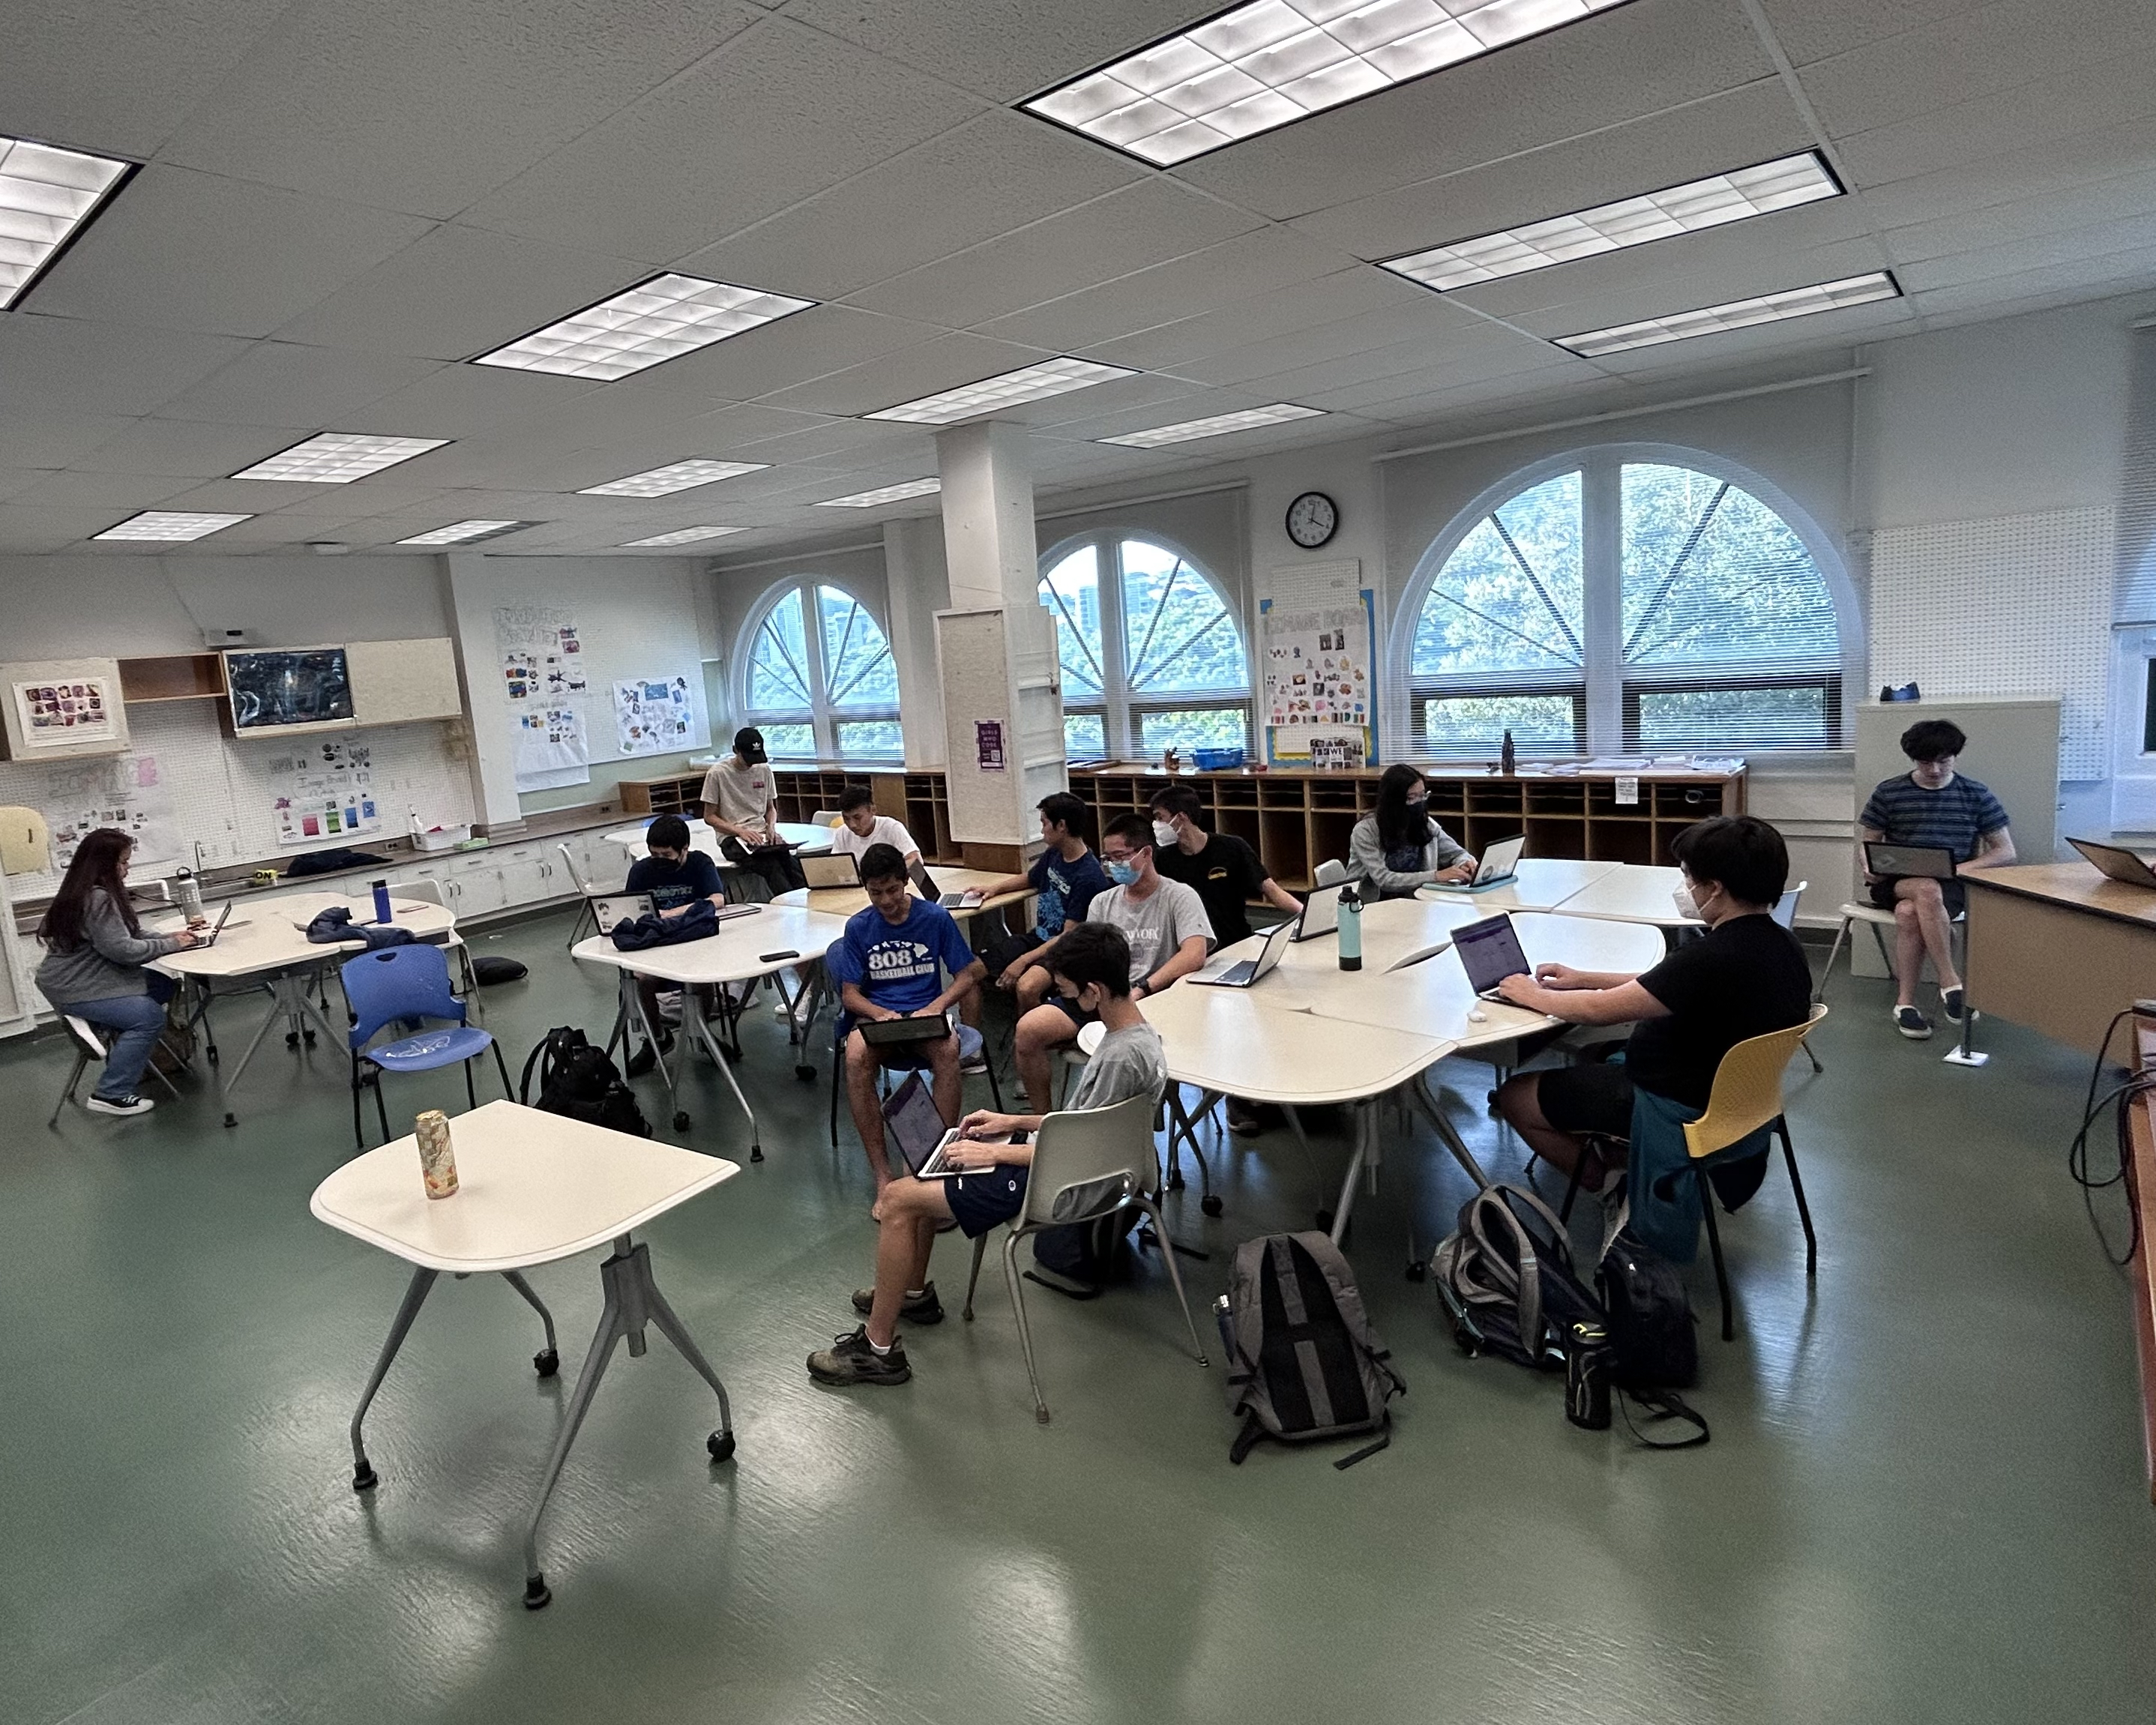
(1612, 602)
(829, 692)
(1152, 655)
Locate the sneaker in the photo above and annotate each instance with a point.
(780, 1009)
(927, 1309)
(124, 1107)
(849, 1359)
(978, 1062)
(1913, 1023)
(1242, 1117)
(642, 1061)
(1951, 1002)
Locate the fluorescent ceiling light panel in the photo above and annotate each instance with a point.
(46, 197)
(464, 532)
(1052, 376)
(169, 524)
(1631, 221)
(679, 476)
(1219, 425)
(655, 320)
(1737, 314)
(1273, 62)
(337, 458)
(681, 536)
(884, 494)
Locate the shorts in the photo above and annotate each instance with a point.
(979, 1201)
(999, 954)
(1079, 1016)
(1954, 892)
(1596, 1098)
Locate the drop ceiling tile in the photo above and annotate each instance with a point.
(192, 251)
(71, 367)
(922, 369)
(1427, 319)
(277, 382)
(1379, 377)
(187, 449)
(457, 400)
(24, 528)
(826, 440)
(2059, 284)
(44, 437)
(2077, 247)
(2060, 165)
(778, 115)
(122, 491)
(1178, 346)
(16, 480)
(1165, 398)
(810, 344)
(414, 106)
(2124, 198)
(1809, 30)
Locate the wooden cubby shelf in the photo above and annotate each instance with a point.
(919, 799)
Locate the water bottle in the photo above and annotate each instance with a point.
(1587, 1376)
(187, 891)
(1350, 928)
(1506, 757)
(382, 901)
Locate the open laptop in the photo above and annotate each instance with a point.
(1321, 914)
(1926, 862)
(926, 883)
(1500, 863)
(2116, 861)
(836, 868)
(628, 906)
(224, 916)
(913, 1128)
(1489, 951)
(1247, 972)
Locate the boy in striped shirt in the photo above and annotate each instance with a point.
(1931, 804)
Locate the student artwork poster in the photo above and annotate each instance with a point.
(654, 715)
(325, 792)
(1319, 685)
(551, 751)
(80, 710)
(130, 793)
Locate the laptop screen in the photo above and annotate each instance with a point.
(1321, 913)
(1489, 951)
(915, 1127)
(841, 868)
(1501, 860)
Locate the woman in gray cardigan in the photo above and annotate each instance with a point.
(1400, 848)
(93, 968)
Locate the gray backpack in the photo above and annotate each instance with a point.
(1303, 1362)
(1506, 1278)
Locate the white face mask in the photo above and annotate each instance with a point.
(1686, 905)
(1163, 836)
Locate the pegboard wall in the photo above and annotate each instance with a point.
(2015, 604)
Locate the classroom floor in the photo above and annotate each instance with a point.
(1924, 1498)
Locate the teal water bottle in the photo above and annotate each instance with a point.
(1350, 928)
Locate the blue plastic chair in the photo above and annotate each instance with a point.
(395, 984)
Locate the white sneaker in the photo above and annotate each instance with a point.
(124, 1107)
(780, 1009)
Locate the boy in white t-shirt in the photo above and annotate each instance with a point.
(860, 827)
(739, 806)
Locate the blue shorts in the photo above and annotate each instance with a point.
(978, 1201)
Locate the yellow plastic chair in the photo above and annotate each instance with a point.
(1747, 1095)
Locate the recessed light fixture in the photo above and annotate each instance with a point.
(1219, 425)
(170, 524)
(337, 458)
(1737, 314)
(657, 319)
(679, 476)
(969, 401)
(1687, 208)
(1273, 62)
(47, 196)
(681, 536)
(464, 532)
(884, 494)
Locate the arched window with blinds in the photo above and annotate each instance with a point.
(829, 691)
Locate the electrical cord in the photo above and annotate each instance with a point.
(2120, 1096)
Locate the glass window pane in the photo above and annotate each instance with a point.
(1084, 737)
(778, 662)
(1475, 724)
(876, 739)
(789, 742)
(1510, 597)
(857, 668)
(1177, 633)
(1201, 727)
(1716, 719)
(1071, 590)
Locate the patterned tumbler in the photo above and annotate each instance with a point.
(438, 1162)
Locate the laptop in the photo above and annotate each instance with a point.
(224, 916)
(897, 1033)
(1926, 862)
(1489, 951)
(2116, 861)
(1500, 863)
(950, 900)
(1321, 914)
(836, 868)
(1247, 973)
(626, 907)
(913, 1127)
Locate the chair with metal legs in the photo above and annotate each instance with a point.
(90, 1046)
(1785, 913)
(587, 897)
(410, 984)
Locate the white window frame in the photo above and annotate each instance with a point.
(821, 717)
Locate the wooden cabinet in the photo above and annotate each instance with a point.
(397, 682)
(922, 800)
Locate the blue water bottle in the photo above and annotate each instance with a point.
(382, 901)
(1350, 928)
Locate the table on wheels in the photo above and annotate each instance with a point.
(807, 839)
(532, 1187)
(842, 901)
(1538, 883)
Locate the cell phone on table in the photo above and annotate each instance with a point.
(773, 957)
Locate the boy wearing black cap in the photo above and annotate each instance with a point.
(739, 807)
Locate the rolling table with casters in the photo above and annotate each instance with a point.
(270, 948)
(532, 1187)
(806, 841)
(1540, 883)
(1632, 892)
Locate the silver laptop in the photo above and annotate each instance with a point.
(925, 883)
(1247, 972)
(1321, 914)
(914, 1128)
(1489, 951)
(623, 907)
(1926, 862)
(224, 916)
(1500, 863)
(2116, 861)
(837, 868)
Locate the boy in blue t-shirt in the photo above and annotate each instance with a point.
(674, 877)
(1064, 879)
(1931, 804)
(888, 965)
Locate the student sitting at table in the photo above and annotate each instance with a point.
(1091, 966)
(740, 807)
(1744, 977)
(673, 877)
(886, 966)
(1064, 879)
(1931, 804)
(94, 952)
(1162, 920)
(1400, 848)
(860, 827)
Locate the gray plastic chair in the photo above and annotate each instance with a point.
(1109, 1150)
(1330, 873)
(587, 897)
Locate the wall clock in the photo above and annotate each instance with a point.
(1312, 519)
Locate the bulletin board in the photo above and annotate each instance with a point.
(1320, 679)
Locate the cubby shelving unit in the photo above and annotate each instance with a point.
(919, 799)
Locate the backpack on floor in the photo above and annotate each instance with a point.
(492, 967)
(1303, 1362)
(578, 1081)
(1506, 1278)
(1080, 1259)
(1652, 1332)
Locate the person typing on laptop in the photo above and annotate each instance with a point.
(1931, 805)
(1092, 967)
(1400, 848)
(1064, 879)
(888, 965)
(740, 807)
(674, 876)
(861, 828)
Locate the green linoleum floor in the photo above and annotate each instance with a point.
(1924, 1499)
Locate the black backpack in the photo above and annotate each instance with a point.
(578, 1081)
(1652, 1341)
(1507, 1280)
(1080, 1259)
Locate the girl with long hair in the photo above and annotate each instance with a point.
(1400, 848)
(93, 968)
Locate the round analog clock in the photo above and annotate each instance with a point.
(1312, 519)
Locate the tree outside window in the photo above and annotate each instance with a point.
(829, 692)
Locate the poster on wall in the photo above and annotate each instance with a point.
(128, 792)
(654, 715)
(1319, 696)
(542, 655)
(551, 749)
(324, 793)
(81, 709)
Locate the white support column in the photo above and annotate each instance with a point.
(493, 762)
(918, 588)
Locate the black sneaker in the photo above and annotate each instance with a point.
(849, 1359)
(1913, 1023)
(922, 1309)
(1953, 1004)
(642, 1061)
(1242, 1117)
(125, 1106)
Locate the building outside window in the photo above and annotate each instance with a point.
(825, 692)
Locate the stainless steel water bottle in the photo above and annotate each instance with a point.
(186, 890)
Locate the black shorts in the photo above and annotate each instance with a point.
(978, 1201)
(1000, 953)
(1593, 1098)
(1954, 892)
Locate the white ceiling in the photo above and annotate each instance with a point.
(342, 204)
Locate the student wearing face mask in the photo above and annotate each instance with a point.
(1400, 848)
(1224, 871)
(1745, 977)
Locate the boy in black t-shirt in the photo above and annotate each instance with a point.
(1225, 871)
(1745, 977)
(674, 877)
